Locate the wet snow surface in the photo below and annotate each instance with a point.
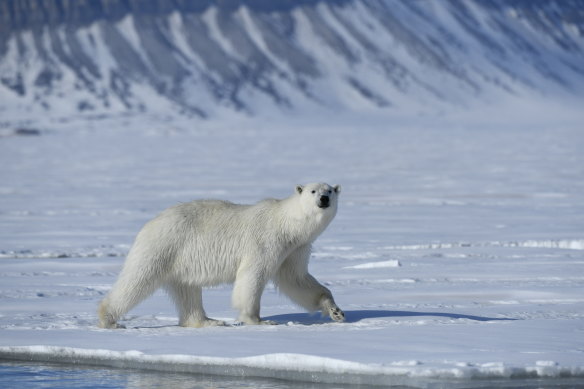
(457, 252)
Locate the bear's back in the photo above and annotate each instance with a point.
(219, 220)
(203, 211)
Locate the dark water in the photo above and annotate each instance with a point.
(25, 375)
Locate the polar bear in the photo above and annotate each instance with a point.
(210, 242)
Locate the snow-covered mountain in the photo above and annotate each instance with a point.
(207, 57)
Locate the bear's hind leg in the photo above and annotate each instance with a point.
(126, 293)
(189, 303)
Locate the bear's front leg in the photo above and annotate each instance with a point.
(247, 293)
(294, 280)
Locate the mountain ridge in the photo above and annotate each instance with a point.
(253, 56)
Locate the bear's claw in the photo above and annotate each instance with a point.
(336, 314)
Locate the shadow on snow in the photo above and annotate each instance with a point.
(357, 316)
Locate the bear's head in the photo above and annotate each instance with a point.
(318, 197)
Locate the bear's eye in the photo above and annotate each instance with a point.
(329, 192)
(313, 191)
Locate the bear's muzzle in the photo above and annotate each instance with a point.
(324, 202)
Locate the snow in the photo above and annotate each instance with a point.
(210, 18)
(457, 253)
(128, 29)
(374, 265)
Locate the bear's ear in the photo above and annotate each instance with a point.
(337, 189)
(299, 188)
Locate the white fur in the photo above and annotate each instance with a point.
(210, 242)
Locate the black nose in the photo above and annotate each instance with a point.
(324, 200)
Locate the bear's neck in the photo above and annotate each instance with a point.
(305, 228)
